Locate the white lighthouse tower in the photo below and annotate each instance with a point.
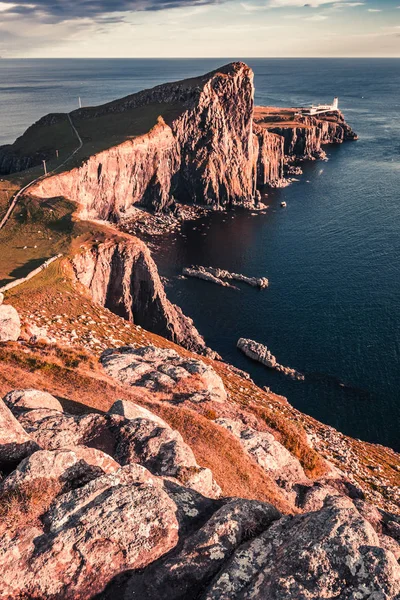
(335, 105)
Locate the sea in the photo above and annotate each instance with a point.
(332, 256)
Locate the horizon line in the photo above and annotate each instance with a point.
(198, 57)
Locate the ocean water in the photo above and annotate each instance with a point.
(332, 310)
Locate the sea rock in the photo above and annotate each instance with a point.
(217, 276)
(261, 354)
(130, 410)
(10, 324)
(123, 277)
(183, 573)
(113, 523)
(331, 553)
(15, 443)
(19, 400)
(140, 440)
(164, 370)
(274, 458)
(69, 468)
(202, 273)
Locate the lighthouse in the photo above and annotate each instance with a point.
(335, 105)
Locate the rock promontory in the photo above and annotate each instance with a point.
(198, 141)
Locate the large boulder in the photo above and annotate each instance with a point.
(272, 456)
(164, 370)
(69, 468)
(331, 553)
(10, 324)
(160, 449)
(130, 410)
(116, 522)
(29, 399)
(15, 443)
(183, 573)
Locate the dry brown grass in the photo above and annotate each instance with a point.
(85, 388)
(24, 505)
(294, 438)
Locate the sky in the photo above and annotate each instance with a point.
(199, 28)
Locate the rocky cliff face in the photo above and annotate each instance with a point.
(139, 171)
(123, 277)
(205, 155)
(270, 152)
(305, 139)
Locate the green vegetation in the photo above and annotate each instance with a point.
(36, 231)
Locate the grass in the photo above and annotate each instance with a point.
(83, 387)
(22, 507)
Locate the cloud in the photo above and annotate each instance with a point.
(57, 11)
(374, 10)
(310, 3)
(317, 18)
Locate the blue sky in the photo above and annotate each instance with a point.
(217, 28)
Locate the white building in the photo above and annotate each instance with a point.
(321, 108)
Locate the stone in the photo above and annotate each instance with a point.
(164, 370)
(130, 410)
(69, 468)
(272, 456)
(331, 553)
(261, 354)
(91, 534)
(218, 276)
(185, 572)
(143, 441)
(15, 443)
(10, 324)
(18, 400)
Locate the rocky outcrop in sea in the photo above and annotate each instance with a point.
(261, 354)
(218, 276)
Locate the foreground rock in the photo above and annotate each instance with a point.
(203, 553)
(164, 371)
(75, 524)
(130, 410)
(141, 440)
(261, 354)
(15, 443)
(111, 524)
(10, 324)
(332, 553)
(274, 458)
(69, 468)
(217, 276)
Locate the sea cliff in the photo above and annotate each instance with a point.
(121, 276)
(205, 144)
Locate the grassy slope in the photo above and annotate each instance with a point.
(38, 230)
(51, 299)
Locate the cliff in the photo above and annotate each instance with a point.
(197, 141)
(200, 148)
(304, 136)
(122, 276)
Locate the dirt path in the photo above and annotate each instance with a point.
(28, 185)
